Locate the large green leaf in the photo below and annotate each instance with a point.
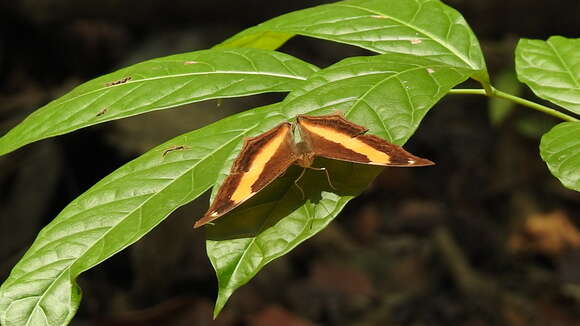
(159, 84)
(551, 69)
(426, 28)
(116, 212)
(389, 94)
(560, 149)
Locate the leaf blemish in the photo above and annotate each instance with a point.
(416, 41)
(429, 70)
(174, 148)
(117, 82)
(103, 111)
(379, 16)
(190, 62)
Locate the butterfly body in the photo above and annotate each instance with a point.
(265, 157)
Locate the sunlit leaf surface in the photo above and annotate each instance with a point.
(551, 69)
(426, 28)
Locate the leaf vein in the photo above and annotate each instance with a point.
(417, 29)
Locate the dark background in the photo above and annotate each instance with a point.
(487, 237)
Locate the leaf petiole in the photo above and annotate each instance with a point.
(499, 94)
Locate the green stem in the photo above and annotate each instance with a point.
(515, 99)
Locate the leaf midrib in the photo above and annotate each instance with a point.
(387, 78)
(415, 28)
(564, 64)
(229, 72)
(433, 37)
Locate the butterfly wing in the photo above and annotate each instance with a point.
(334, 137)
(262, 159)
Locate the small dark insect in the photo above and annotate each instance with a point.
(103, 111)
(117, 82)
(173, 149)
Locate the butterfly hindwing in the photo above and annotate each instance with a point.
(334, 137)
(262, 159)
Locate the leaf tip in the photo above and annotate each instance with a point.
(220, 302)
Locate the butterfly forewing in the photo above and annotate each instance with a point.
(262, 159)
(334, 137)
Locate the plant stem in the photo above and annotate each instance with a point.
(515, 99)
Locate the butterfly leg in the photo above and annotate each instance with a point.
(298, 179)
(327, 175)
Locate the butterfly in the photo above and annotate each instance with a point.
(265, 157)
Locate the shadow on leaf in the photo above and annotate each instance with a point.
(282, 197)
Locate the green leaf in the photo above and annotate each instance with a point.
(116, 212)
(551, 69)
(121, 208)
(426, 28)
(160, 84)
(389, 94)
(560, 149)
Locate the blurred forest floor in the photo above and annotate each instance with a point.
(486, 237)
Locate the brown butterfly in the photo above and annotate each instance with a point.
(265, 157)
